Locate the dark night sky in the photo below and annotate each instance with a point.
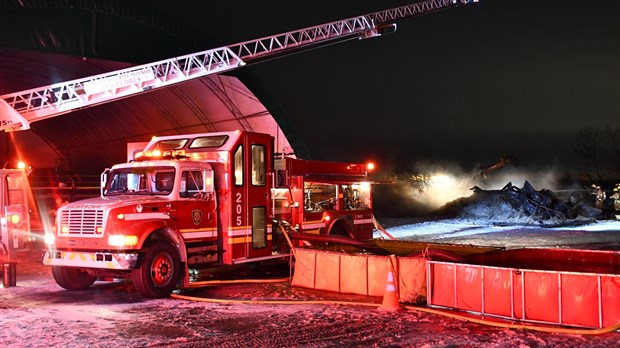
(467, 84)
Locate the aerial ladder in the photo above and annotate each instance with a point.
(18, 110)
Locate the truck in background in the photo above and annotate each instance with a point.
(15, 231)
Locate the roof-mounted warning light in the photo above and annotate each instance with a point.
(158, 154)
(19, 165)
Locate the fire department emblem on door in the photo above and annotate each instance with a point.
(197, 217)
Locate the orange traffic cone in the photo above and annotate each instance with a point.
(390, 297)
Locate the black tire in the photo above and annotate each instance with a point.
(338, 229)
(72, 278)
(158, 272)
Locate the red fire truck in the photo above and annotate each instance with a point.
(187, 201)
(14, 217)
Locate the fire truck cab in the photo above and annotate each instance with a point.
(195, 200)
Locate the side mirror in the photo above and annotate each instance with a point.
(103, 180)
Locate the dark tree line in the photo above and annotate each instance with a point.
(599, 148)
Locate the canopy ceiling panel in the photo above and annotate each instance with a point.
(93, 138)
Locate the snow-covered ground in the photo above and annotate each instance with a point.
(482, 232)
(464, 227)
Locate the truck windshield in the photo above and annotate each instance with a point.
(140, 181)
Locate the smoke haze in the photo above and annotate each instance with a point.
(427, 186)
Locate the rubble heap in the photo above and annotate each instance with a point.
(514, 205)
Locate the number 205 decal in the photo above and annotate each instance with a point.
(238, 209)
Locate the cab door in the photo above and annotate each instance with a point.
(250, 209)
(197, 205)
(14, 206)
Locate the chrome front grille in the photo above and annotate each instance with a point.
(81, 222)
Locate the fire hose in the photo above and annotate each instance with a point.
(574, 331)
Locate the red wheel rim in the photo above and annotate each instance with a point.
(161, 270)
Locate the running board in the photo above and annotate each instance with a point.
(254, 259)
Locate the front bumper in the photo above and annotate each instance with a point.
(103, 260)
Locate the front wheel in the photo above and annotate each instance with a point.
(72, 278)
(158, 272)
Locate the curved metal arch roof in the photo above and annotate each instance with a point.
(43, 42)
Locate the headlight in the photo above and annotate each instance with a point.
(49, 239)
(122, 241)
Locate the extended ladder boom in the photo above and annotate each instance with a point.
(18, 110)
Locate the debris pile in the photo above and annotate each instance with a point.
(514, 205)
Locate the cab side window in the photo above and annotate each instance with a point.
(238, 166)
(191, 183)
(15, 183)
(258, 165)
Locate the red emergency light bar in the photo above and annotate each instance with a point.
(16, 165)
(157, 155)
